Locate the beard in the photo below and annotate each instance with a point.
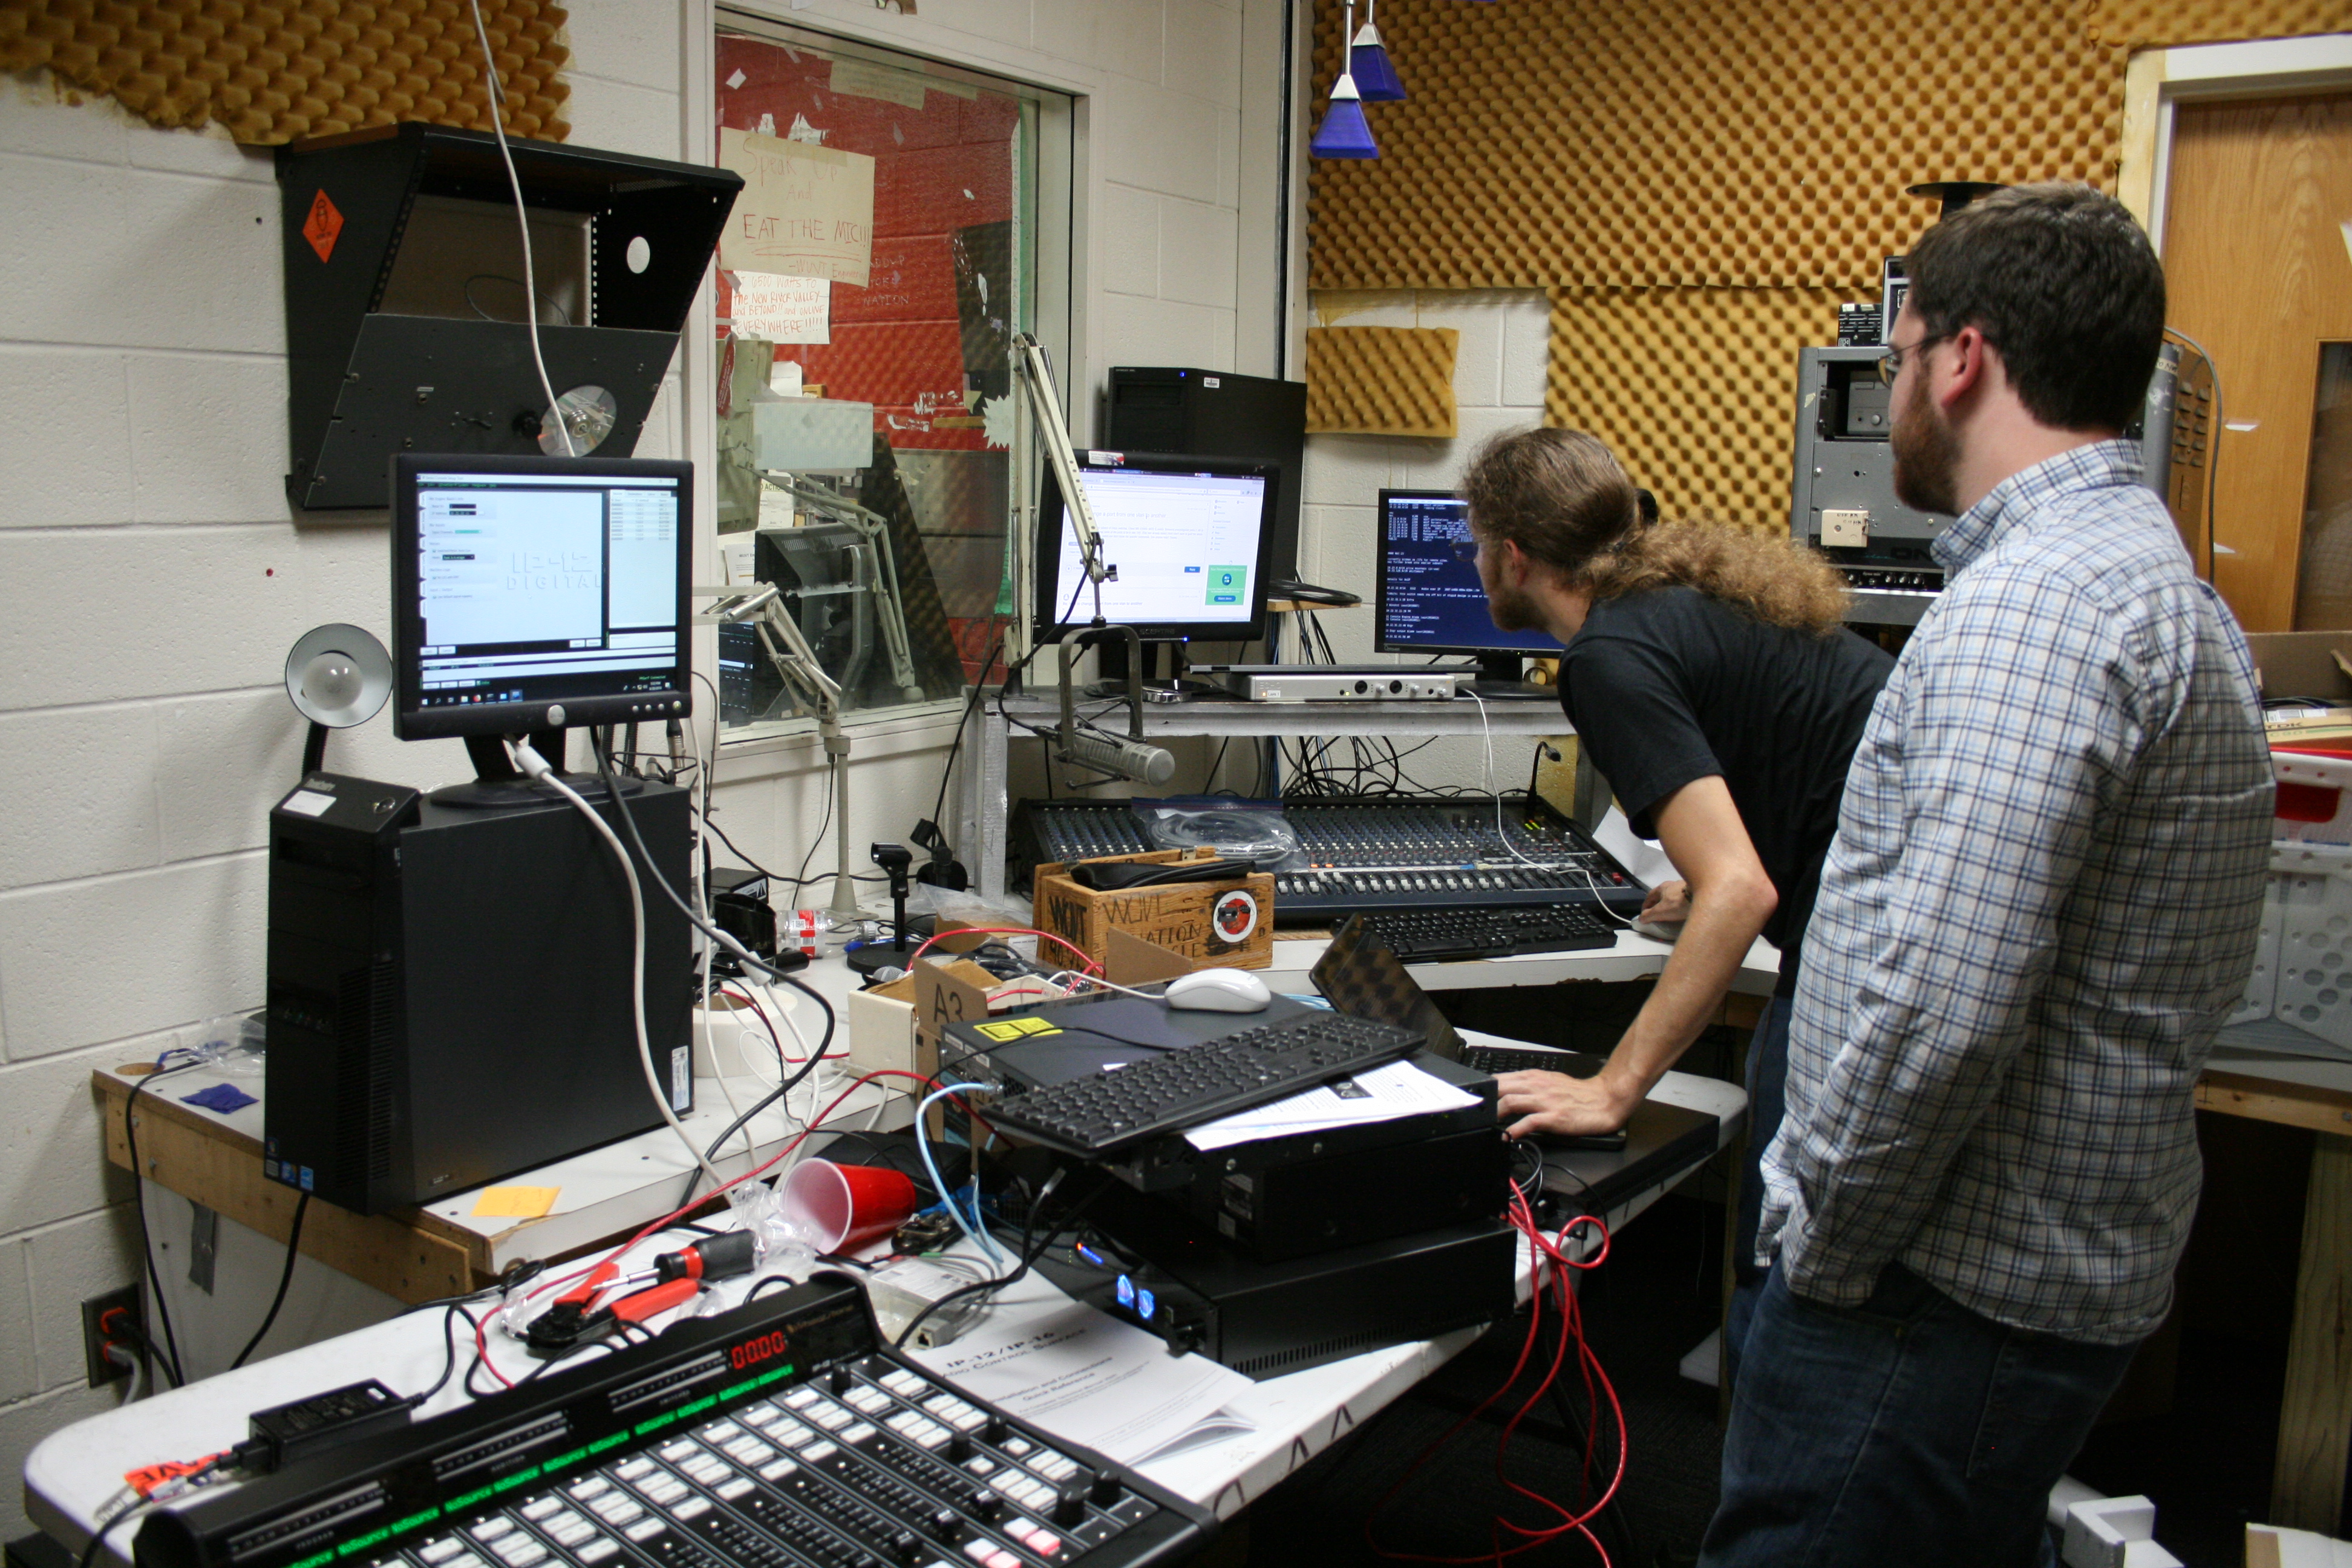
(1513, 609)
(1926, 454)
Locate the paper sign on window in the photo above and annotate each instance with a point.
(781, 310)
(807, 211)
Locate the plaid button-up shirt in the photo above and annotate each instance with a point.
(2041, 902)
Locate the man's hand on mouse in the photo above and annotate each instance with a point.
(1532, 1102)
(1668, 904)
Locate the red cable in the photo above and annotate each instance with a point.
(1091, 967)
(1543, 1248)
(758, 1170)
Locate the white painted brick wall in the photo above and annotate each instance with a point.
(152, 578)
(1498, 384)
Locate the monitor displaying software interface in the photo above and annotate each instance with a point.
(539, 582)
(1429, 600)
(1189, 538)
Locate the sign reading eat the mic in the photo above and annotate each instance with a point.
(805, 211)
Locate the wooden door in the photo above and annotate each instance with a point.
(2258, 262)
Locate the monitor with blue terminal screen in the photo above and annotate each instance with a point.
(1428, 598)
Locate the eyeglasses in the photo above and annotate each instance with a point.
(1465, 548)
(1890, 364)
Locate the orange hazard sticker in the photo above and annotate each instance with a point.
(147, 1478)
(325, 222)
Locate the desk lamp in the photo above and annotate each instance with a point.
(337, 677)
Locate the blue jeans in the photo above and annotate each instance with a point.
(1768, 1081)
(1908, 1430)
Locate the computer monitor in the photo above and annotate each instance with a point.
(1190, 537)
(1427, 600)
(533, 593)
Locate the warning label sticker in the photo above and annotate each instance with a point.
(325, 222)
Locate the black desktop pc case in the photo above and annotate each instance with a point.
(450, 990)
(1216, 414)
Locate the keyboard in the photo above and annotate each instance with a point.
(1427, 936)
(1106, 1111)
(782, 1433)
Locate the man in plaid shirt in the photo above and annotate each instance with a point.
(2041, 902)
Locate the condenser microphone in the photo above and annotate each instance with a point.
(1115, 754)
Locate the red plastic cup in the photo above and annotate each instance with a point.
(842, 1207)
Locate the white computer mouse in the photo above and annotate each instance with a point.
(1219, 991)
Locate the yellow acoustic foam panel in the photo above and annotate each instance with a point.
(1380, 381)
(279, 72)
(1695, 143)
(1693, 389)
(2138, 23)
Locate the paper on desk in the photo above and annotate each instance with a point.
(1399, 1089)
(1094, 1380)
(515, 1203)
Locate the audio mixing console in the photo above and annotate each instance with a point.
(1363, 855)
(778, 1434)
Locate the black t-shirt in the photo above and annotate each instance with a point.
(1670, 686)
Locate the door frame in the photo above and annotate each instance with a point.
(2156, 82)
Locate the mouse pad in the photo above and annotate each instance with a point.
(1055, 1041)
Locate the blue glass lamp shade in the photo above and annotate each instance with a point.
(1344, 133)
(1369, 63)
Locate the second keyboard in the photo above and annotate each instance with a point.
(1435, 935)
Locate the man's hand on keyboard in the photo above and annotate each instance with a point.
(1532, 1102)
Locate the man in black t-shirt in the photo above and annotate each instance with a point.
(1708, 674)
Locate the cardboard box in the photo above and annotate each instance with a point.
(1228, 924)
(2302, 663)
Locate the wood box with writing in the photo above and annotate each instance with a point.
(1228, 924)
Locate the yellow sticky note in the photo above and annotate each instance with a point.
(1004, 1029)
(515, 1203)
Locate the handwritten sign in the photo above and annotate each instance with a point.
(781, 310)
(805, 211)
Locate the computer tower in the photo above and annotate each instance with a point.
(1216, 414)
(450, 989)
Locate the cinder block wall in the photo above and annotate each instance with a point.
(152, 579)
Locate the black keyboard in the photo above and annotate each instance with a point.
(1427, 936)
(1108, 1111)
(778, 1434)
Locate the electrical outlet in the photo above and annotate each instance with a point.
(95, 1339)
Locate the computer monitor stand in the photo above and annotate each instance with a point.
(498, 782)
(1112, 654)
(1499, 680)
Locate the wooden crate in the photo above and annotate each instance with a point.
(1180, 917)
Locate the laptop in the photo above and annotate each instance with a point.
(1360, 975)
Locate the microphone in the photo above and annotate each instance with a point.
(1115, 754)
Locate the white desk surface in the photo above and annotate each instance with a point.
(73, 1472)
(1630, 957)
(609, 1192)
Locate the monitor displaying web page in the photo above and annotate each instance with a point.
(1189, 538)
(532, 592)
(1428, 599)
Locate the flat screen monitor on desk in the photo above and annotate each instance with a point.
(1428, 598)
(1190, 538)
(532, 593)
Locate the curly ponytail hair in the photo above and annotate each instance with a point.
(1562, 497)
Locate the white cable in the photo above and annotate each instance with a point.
(535, 767)
(980, 1237)
(522, 222)
(1600, 898)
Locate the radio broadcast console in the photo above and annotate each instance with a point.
(1353, 856)
(782, 1433)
